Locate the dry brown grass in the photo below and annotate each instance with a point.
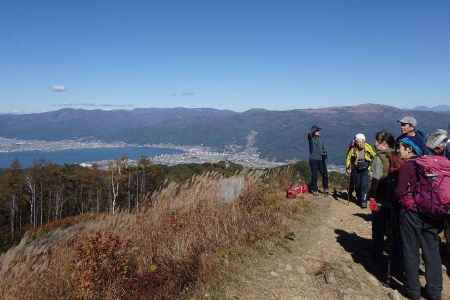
(160, 252)
(60, 223)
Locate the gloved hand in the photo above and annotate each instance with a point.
(373, 205)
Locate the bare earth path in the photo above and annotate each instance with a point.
(328, 259)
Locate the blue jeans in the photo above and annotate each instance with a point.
(361, 182)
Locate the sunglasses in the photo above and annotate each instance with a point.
(404, 124)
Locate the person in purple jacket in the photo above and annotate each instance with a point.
(417, 230)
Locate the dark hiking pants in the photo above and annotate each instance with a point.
(318, 166)
(380, 219)
(385, 225)
(361, 182)
(418, 233)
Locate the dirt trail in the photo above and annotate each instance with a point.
(328, 259)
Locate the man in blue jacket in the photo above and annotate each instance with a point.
(408, 128)
(317, 160)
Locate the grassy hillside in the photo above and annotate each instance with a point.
(163, 250)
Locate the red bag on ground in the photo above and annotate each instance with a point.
(295, 189)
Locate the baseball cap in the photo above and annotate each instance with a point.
(408, 120)
(315, 128)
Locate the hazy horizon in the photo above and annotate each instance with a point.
(128, 108)
(109, 108)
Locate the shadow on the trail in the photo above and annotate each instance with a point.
(360, 249)
(365, 217)
(343, 196)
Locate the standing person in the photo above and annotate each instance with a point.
(380, 193)
(408, 128)
(383, 204)
(437, 142)
(417, 230)
(317, 160)
(357, 164)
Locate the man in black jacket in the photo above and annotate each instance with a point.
(317, 160)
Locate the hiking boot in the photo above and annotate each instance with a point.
(364, 205)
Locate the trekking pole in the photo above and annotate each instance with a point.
(387, 280)
(391, 240)
(348, 195)
(348, 189)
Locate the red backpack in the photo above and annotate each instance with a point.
(432, 194)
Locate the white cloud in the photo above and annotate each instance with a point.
(58, 88)
(188, 93)
(185, 93)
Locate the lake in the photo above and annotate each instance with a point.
(77, 156)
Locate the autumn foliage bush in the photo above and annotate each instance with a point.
(101, 262)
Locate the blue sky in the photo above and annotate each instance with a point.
(223, 54)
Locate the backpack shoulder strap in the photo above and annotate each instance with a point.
(395, 162)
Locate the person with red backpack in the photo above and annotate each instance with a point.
(419, 227)
(437, 142)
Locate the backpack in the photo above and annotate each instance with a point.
(432, 193)
(388, 183)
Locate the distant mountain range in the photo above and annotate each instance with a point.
(279, 135)
(437, 108)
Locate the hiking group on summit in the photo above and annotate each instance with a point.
(406, 184)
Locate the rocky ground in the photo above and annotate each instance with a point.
(327, 256)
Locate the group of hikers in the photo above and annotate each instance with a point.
(401, 180)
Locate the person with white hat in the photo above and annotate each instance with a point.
(437, 142)
(358, 161)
